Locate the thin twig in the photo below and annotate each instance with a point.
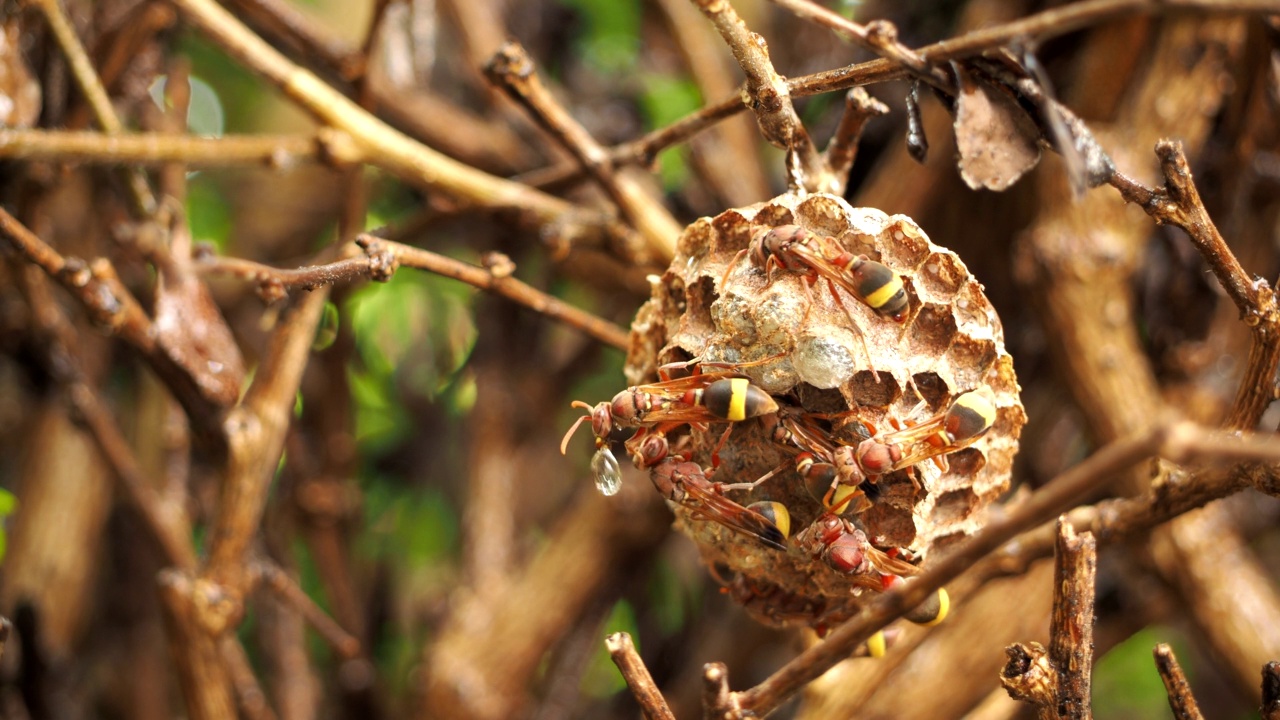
(644, 150)
(144, 201)
(879, 36)
(108, 303)
(375, 142)
(768, 95)
(273, 284)
(275, 151)
(496, 278)
(859, 109)
(728, 159)
(292, 27)
(513, 70)
(623, 653)
(1181, 701)
(380, 261)
(1178, 203)
(717, 701)
(287, 591)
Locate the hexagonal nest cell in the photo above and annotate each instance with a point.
(857, 372)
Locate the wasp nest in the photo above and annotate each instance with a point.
(851, 372)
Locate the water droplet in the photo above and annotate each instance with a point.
(607, 471)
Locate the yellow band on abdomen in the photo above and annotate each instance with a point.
(885, 292)
(738, 399)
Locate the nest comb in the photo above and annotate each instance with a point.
(715, 304)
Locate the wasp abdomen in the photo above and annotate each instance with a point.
(880, 288)
(736, 399)
(971, 415)
(776, 513)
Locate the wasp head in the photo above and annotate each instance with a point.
(652, 450)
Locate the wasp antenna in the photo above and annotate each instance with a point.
(564, 444)
(580, 404)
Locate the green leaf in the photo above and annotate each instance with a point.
(327, 331)
(602, 678)
(207, 213)
(1125, 681)
(8, 503)
(611, 42)
(664, 100)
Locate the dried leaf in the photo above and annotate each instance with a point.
(995, 138)
(194, 334)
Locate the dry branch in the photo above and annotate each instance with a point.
(144, 202)
(859, 109)
(1181, 701)
(769, 98)
(1178, 203)
(1057, 683)
(624, 655)
(1271, 691)
(512, 70)
(1071, 634)
(288, 592)
(728, 156)
(379, 263)
(274, 151)
(376, 143)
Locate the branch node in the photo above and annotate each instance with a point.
(1028, 675)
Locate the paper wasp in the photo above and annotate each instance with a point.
(835, 483)
(843, 546)
(965, 420)
(660, 407)
(686, 483)
(798, 250)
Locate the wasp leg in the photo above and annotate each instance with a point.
(715, 454)
(853, 324)
(758, 481)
